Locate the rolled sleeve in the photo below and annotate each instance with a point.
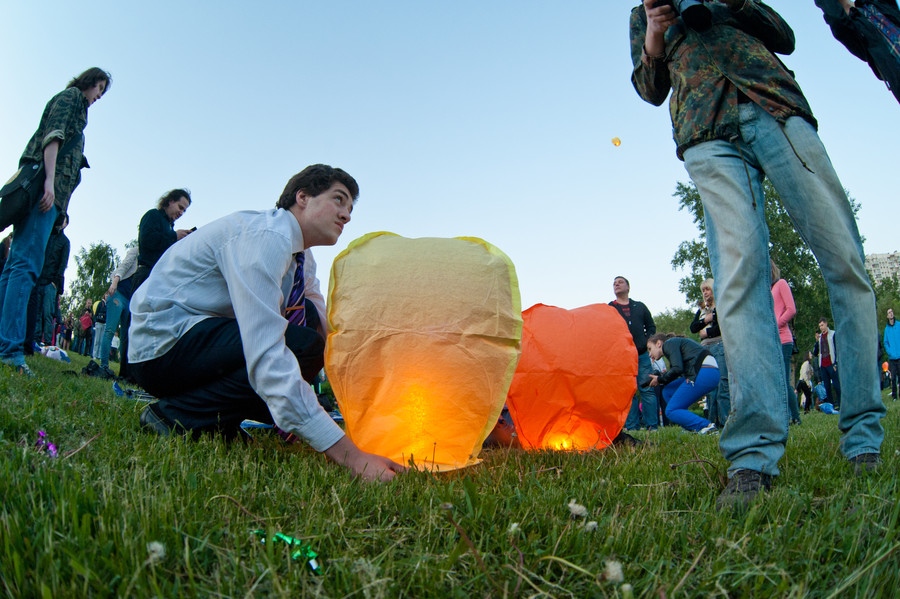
(651, 81)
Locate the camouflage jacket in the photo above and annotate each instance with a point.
(65, 117)
(708, 71)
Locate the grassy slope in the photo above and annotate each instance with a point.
(80, 525)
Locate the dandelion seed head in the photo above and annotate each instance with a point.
(590, 526)
(447, 506)
(577, 510)
(513, 528)
(613, 571)
(156, 551)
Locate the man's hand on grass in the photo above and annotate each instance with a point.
(367, 466)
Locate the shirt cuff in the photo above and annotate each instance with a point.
(320, 431)
(55, 135)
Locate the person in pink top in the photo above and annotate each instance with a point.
(785, 310)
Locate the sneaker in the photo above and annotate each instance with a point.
(22, 368)
(742, 489)
(709, 429)
(151, 422)
(865, 463)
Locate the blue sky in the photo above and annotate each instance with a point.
(487, 119)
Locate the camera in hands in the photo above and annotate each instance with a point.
(694, 13)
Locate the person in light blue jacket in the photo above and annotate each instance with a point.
(892, 349)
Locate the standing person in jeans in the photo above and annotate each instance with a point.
(43, 305)
(63, 121)
(99, 327)
(157, 231)
(892, 349)
(739, 116)
(117, 309)
(785, 310)
(706, 325)
(644, 406)
(826, 350)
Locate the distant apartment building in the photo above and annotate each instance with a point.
(882, 266)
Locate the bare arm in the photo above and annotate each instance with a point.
(50, 153)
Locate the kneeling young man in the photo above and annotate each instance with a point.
(220, 331)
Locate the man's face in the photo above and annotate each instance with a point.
(823, 327)
(94, 93)
(322, 217)
(175, 209)
(620, 286)
(890, 314)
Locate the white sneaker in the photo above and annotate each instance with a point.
(709, 429)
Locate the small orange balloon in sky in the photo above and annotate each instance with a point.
(616, 141)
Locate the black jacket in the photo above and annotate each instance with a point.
(56, 258)
(699, 324)
(640, 323)
(685, 359)
(155, 234)
(863, 39)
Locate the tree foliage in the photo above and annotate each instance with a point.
(95, 267)
(675, 320)
(789, 251)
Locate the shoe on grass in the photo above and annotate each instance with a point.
(623, 439)
(743, 487)
(865, 463)
(151, 422)
(709, 429)
(22, 368)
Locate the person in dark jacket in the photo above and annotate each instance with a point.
(870, 29)
(692, 373)
(157, 232)
(44, 300)
(640, 325)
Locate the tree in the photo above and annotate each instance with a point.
(95, 267)
(675, 320)
(798, 265)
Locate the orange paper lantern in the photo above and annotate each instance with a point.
(424, 342)
(573, 387)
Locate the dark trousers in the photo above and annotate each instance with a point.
(202, 382)
(832, 385)
(894, 369)
(803, 388)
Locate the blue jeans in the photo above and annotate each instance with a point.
(26, 258)
(738, 238)
(681, 394)
(46, 314)
(643, 404)
(116, 305)
(719, 400)
(787, 350)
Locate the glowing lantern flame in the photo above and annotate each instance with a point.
(616, 141)
(572, 389)
(424, 342)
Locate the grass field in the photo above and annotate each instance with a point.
(123, 514)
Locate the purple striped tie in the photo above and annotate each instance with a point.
(295, 310)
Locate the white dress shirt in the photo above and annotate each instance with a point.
(240, 266)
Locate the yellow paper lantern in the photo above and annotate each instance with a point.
(424, 342)
(616, 141)
(573, 387)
